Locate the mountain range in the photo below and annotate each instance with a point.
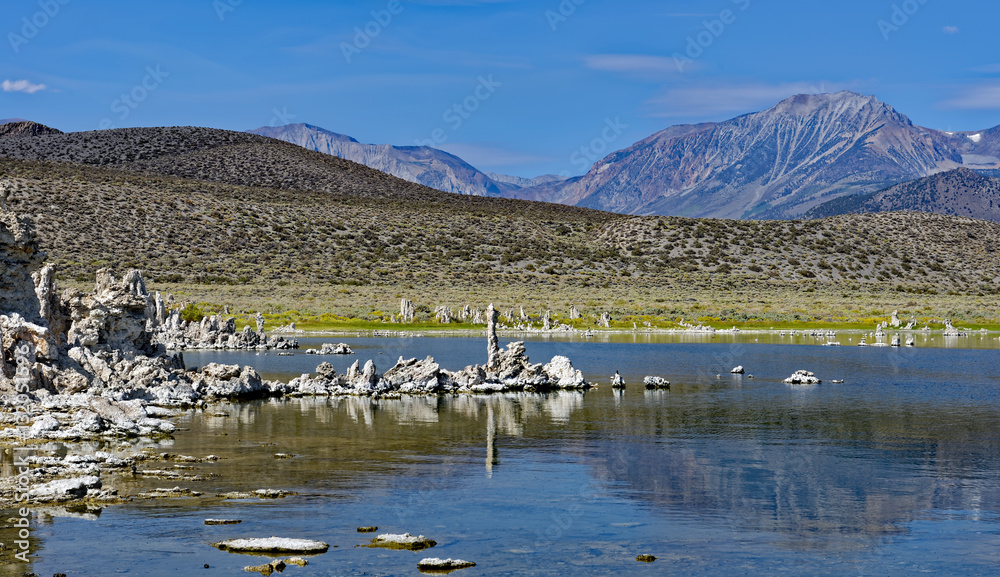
(778, 163)
(220, 207)
(419, 164)
(808, 156)
(959, 192)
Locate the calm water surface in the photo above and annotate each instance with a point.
(893, 472)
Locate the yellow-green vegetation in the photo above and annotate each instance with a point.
(770, 305)
(328, 244)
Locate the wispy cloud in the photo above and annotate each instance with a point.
(982, 97)
(491, 157)
(728, 99)
(950, 29)
(989, 68)
(22, 86)
(636, 65)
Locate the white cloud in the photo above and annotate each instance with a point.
(950, 29)
(982, 97)
(22, 86)
(728, 99)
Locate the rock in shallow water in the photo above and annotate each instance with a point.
(803, 378)
(437, 564)
(272, 545)
(64, 489)
(653, 383)
(404, 541)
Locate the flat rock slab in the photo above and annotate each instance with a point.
(223, 521)
(447, 565)
(272, 545)
(404, 541)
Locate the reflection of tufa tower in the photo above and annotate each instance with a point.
(492, 455)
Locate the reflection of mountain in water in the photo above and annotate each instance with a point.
(819, 471)
(825, 480)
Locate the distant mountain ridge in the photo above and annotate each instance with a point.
(25, 128)
(778, 163)
(419, 164)
(959, 192)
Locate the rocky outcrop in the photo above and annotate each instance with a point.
(114, 317)
(443, 314)
(406, 311)
(653, 383)
(331, 349)
(87, 363)
(803, 378)
(492, 343)
(25, 128)
(215, 332)
(19, 257)
(506, 370)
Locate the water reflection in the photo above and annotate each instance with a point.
(904, 451)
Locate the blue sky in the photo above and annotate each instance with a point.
(521, 87)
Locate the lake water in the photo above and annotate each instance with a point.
(894, 472)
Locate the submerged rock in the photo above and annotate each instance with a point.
(268, 568)
(403, 541)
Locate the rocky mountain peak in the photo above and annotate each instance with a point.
(25, 128)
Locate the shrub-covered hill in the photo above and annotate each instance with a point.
(180, 229)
